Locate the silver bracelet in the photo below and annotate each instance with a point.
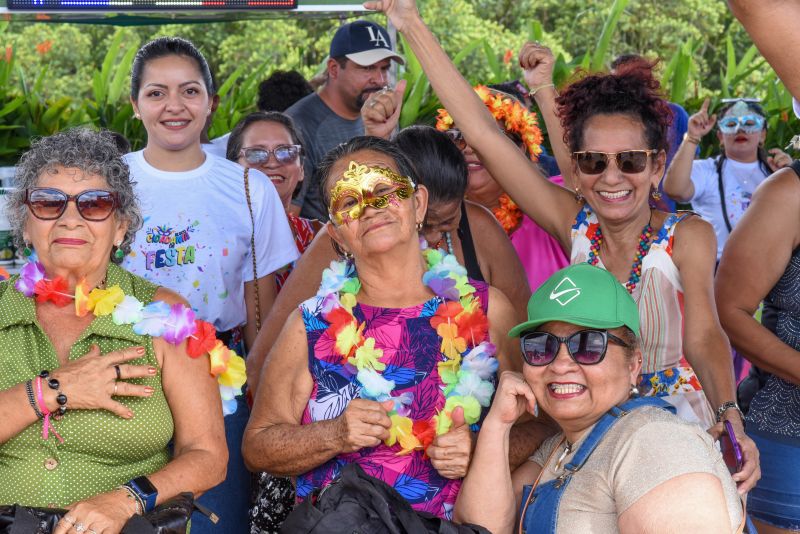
(135, 498)
(728, 405)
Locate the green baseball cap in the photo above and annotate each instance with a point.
(584, 295)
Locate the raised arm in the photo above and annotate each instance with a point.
(537, 63)
(743, 281)
(678, 180)
(275, 441)
(551, 206)
(495, 509)
(772, 25)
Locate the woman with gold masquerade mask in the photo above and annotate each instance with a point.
(392, 364)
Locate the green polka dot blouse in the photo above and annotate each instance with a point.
(100, 450)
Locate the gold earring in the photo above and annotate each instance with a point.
(578, 195)
(419, 226)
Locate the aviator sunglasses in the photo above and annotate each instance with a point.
(585, 347)
(49, 204)
(628, 161)
(283, 154)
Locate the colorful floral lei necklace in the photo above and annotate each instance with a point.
(175, 323)
(467, 365)
(508, 214)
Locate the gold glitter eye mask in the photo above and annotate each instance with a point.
(362, 186)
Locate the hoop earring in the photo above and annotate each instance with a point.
(578, 195)
(655, 193)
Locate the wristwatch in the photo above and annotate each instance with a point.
(145, 490)
(728, 405)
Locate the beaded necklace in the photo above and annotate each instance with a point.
(175, 323)
(641, 251)
(467, 365)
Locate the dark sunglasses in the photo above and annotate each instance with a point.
(283, 154)
(628, 161)
(49, 204)
(585, 347)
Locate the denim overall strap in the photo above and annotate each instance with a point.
(541, 509)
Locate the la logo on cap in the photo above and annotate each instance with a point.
(376, 37)
(565, 292)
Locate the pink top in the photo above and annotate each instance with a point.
(539, 252)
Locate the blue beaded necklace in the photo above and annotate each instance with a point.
(641, 251)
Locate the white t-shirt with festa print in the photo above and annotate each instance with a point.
(196, 234)
(739, 181)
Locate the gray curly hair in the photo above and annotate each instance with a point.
(91, 152)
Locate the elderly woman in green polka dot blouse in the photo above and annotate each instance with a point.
(89, 401)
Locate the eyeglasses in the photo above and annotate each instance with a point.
(746, 123)
(259, 156)
(585, 347)
(49, 204)
(628, 161)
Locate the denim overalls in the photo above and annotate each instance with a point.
(542, 511)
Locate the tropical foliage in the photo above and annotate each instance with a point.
(53, 76)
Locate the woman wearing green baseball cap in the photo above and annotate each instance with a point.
(621, 463)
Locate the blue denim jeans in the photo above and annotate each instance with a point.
(776, 498)
(231, 499)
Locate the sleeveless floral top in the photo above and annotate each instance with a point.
(410, 351)
(659, 295)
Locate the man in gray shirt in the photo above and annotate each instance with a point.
(358, 66)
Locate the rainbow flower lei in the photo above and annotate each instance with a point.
(504, 108)
(467, 365)
(175, 323)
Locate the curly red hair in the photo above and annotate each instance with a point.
(631, 90)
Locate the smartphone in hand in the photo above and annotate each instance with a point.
(731, 451)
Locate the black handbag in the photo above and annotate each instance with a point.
(170, 517)
(356, 503)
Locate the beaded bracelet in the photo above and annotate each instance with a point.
(32, 399)
(61, 399)
(47, 425)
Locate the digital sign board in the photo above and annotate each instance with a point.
(149, 5)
